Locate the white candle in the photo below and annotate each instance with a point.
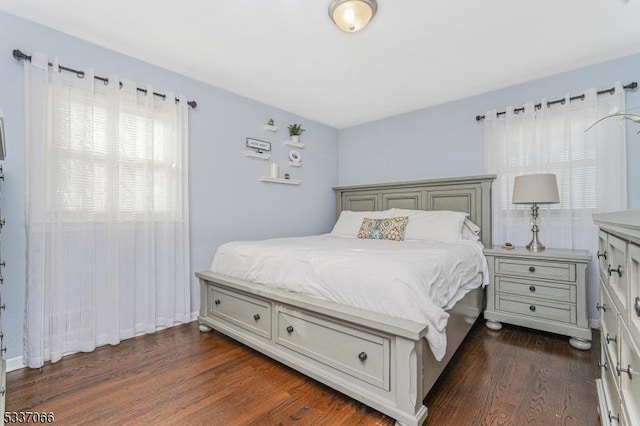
(273, 170)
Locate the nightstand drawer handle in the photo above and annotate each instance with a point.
(532, 308)
(532, 289)
(532, 269)
(612, 417)
(636, 306)
(624, 370)
(217, 301)
(618, 270)
(256, 317)
(604, 255)
(362, 356)
(603, 365)
(603, 307)
(611, 339)
(290, 329)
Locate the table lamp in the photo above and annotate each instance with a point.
(535, 189)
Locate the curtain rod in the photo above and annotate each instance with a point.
(611, 90)
(19, 55)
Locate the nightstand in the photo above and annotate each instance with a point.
(545, 291)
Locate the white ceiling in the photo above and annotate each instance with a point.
(414, 54)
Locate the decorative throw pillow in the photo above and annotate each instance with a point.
(390, 228)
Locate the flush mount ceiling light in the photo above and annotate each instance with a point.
(352, 15)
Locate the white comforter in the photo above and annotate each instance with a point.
(414, 280)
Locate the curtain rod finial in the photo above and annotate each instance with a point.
(18, 54)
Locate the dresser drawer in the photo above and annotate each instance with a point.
(613, 412)
(245, 311)
(537, 308)
(357, 353)
(609, 319)
(538, 289)
(630, 381)
(633, 266)
(562, 271)
(603, 255)
(617, 283)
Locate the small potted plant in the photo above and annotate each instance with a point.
(295, 130)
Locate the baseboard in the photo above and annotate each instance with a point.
(14, 364)
(594, 323)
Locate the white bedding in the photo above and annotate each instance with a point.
(414, 280)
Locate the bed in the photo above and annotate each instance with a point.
(383, 361)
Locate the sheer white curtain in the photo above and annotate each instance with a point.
(590, 167)
(107, 212)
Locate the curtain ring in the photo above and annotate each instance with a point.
(120, 84)
(562, 101)
(80, 74)
(106, 81)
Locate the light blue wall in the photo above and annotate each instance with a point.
(446, 140)
(227, 201)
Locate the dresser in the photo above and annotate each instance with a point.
(619, 306)
(3, 349)
(544, 291)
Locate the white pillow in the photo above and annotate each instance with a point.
(349, 222)
(435, 225)
(470, 231)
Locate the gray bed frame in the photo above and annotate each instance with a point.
(381, 361)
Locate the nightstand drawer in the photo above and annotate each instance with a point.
(537, 308)
(536, 269)
(538, 289)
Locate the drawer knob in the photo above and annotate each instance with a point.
(362, 356)
(612, 417)
(290, 329)
(532, 269)
(532, 289)
(624, 370)
(217, 301)
(603, 307)
(611, 339)
(256, 317)
(636, 306)
(603, 365)
(2, 391)
(2, 223)
(532, 308)
(603, 255)
(618, 270)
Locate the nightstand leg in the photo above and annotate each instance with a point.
(579, 343)
(493, 325)
(204, 328)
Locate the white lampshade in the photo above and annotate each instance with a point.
(352, 15)
(538, 188)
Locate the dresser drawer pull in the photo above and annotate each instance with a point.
(1, 280)
(2, 391)
(611, 339)
(636, 306)
(603, 307)
(256, 317)
(618, 270)
(3, 264)
(290, 329)
(362, 356)
(217, 301)
(624, 370)
(532, 289)
(612, 417)
(604, 255)
(3, 307)
(4, 350)
(532, 269)
(603, 365)
(2, 223)
(532, 308)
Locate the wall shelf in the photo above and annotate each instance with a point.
(295, 163)
(279, 180)
(258, 155)
(289, 142)
(270, 128)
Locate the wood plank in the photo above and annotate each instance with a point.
(182, 376)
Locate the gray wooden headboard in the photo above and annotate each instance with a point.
(471, 195)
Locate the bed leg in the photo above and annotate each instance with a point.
(204, 328)
(409, 383)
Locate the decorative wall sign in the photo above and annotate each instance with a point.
(258, 145)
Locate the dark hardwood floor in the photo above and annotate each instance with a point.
(181, 376)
